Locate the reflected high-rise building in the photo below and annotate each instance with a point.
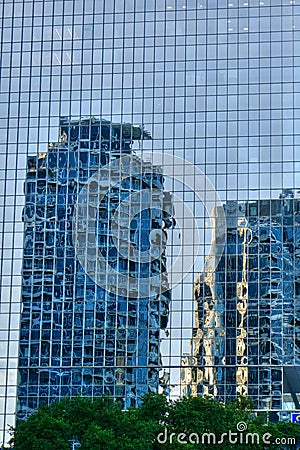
(246, 338)
(82, 330)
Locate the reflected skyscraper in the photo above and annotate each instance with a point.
(82, 330)
(246, 338)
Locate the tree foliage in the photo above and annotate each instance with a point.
(157, 424)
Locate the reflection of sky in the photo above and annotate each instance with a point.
(222, 100)
(160, 86)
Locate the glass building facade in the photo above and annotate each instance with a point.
(215, 82)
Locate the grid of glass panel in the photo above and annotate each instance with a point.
(216, 83)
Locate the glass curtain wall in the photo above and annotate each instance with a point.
(216, 83)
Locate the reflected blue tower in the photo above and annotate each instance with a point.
(246, 338)
(78, 336)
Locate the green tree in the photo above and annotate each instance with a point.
(157, 424)
(42, 431)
